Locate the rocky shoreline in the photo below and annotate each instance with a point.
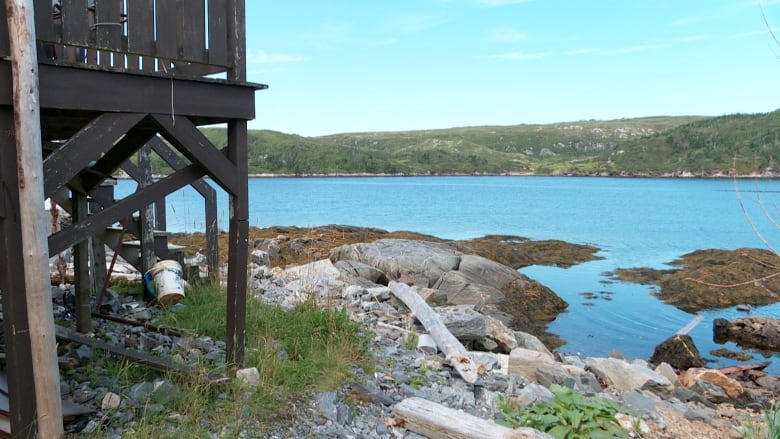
(466, 290)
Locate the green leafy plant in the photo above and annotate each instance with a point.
(569, 416)
(772, 418)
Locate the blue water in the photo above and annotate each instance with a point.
(635, 222)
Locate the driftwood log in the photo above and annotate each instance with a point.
(454, 351)
(436, 421)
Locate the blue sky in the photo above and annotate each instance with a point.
(336, 66)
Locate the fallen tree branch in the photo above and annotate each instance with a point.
(436, 421)
(453, 350)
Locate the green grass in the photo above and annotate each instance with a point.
(298, 352)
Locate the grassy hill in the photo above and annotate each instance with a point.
(641, 146)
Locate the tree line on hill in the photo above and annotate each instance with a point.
(747, 144)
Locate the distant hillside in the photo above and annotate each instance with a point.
(655, 146)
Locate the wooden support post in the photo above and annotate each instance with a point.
(82, 272)
(12, 289)
(238, 240)
(34, 263)
(148, 257)
(238, 246)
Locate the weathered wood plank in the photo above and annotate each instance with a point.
(167, 25)
(436, 421)
(236, 26)
(15, 323)
(186, 137)
(84, 147)
(744, 367)
(147, 213)
(111, 214)
(157, 363)
(455, 353)
(192, 33)
(140, 26)
(108, 24)
(81, 269)
(75, 23)
(4, 49)
(115, 92)
(44, 24)
(34, 261)
(238, 243)
(218, 32)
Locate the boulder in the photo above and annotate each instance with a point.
(678, 351)
(460, 288)
(731, 386)
(421, 263)
(537, 367)
(360, 270)
(530, 341)
(260, 257)
(666, 370)
(270, 246)
(487, 272)
(626, 376)
(749, 332)
(463, 322)
(498, 332)
(249, 377)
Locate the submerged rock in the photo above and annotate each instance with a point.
(761, 333)
(707, 279)
(678, 351)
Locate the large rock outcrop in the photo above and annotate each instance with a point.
(464, 279)
(762, 333)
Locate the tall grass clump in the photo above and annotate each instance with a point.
(298, 352)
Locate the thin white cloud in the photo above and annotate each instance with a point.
(583, 52)
(692, 20)
(521, 56)
(775, 30)
(615, 51)
(507, 35)
(496, 3)
(692, 38)
(263, 57)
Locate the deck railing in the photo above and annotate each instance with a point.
(188, 36)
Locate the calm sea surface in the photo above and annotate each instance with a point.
(635, 222)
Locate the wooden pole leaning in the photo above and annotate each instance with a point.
(24, 63)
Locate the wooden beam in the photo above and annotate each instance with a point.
(147, 212)
(210, 205)
(188, 139)
(136, 93)
(111, 214)
(34, 263)
(154, 362)
(85, 147)
(436, 421)
(15, 323)
(455, 353)
(82, 270)
(117, 155)
(238, 246)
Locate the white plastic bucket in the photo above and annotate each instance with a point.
(168, 282)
